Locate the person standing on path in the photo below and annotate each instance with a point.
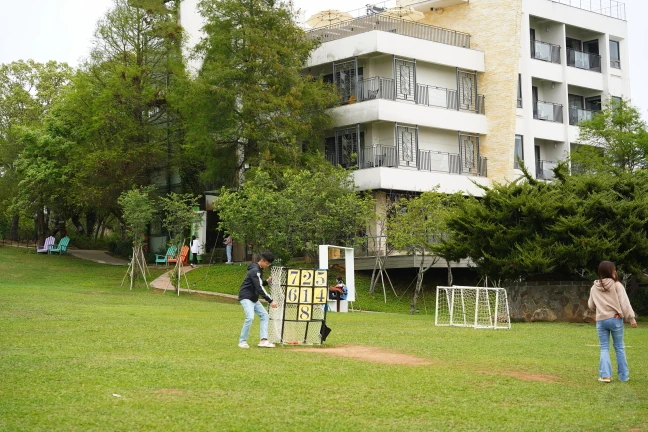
(195, 250)
(228, 248)
(609, 299)
(251, 289)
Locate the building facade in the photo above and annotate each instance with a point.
(453, 95)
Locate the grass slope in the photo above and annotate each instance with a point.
(71, 338)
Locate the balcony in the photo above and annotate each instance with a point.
(544, 169)
(548, 111)
(428, 160)
(384, 23)
(610, 8)
(616, 64)
(425, 95)
(545, 51)
(583, 60)
(576, 115)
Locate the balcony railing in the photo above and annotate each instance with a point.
(427, 95)
(576, 115)
(381, 155)
(544, 169)
(548, 111)
(616, 64)
(611, 8)
(583, 60)
(378, 155)
(545, 51)
(376, 88)
(392, 25)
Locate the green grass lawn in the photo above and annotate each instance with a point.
(227, 279)
(71, 338)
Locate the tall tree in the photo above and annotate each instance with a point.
(615, 138)
(417, 226)
(126, 129)
(27, 92)
(251, 103)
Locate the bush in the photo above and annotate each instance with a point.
(82, 241)
(216, 256)
(120, 248)
(639, 300)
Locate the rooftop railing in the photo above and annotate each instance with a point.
(611, 8)
(392, 25)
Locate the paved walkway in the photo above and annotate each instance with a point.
(98, 256)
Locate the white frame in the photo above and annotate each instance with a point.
(500, 295)
(349, 256)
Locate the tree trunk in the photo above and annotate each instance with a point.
(450, 279)
(91, 221)
(419, 285)
(41, 226)
(77, 223)
(374, 277)
(13, 231)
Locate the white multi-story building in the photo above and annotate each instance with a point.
(452, 95)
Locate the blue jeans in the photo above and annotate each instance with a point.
(228, 250)
(604, 328)
(250, 309)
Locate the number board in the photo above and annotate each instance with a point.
(306, 292)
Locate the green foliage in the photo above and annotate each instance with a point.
(138, 212)
(117, 109)
(295, 214)
(565, 227)
(250, 104)
(417, 226)
(28, 91)
(615, 138)
(178, 215)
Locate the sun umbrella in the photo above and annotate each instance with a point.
(405, 13)
(328, 17)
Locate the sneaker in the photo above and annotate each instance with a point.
(243, 345)
(192, 266)
(266, 344)
(605, 380)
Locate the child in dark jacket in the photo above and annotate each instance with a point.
(251, 289)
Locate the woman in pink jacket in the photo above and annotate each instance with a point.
(609, 299)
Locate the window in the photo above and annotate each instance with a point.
(615, 55)
(615, 101)
(519, 92)
(519, 151)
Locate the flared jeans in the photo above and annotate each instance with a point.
(614, 327)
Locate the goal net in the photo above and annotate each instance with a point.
(301, 302)
(477, 307)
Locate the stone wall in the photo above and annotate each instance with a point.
(550, 301)
(494, 26)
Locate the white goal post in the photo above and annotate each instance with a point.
(477, 307)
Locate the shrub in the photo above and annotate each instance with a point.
(216, 256)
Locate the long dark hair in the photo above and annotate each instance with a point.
(607, 269)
